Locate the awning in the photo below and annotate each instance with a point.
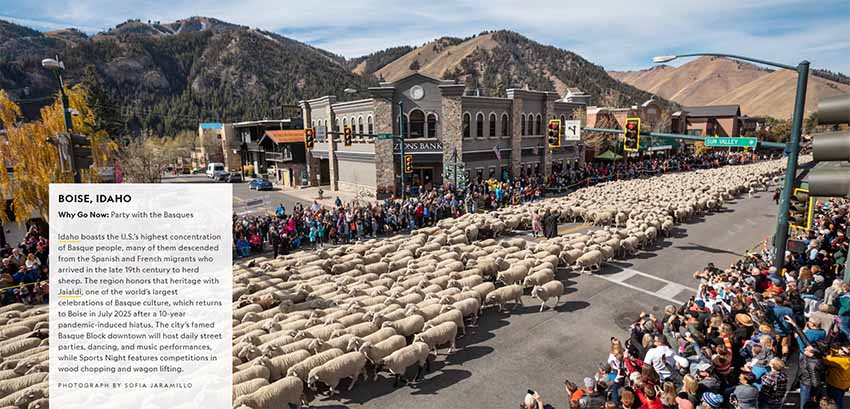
(608, 155)
(279, 136)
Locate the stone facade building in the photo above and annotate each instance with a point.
(490, 136)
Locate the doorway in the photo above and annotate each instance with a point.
(423, 177)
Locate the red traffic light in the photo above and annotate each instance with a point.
(630, 125)
(553, 125)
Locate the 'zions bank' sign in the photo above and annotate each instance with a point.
(419, 147)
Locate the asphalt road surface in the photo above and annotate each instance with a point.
(508, 353)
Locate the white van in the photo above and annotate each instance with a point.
(215, 170)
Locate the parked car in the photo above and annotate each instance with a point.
(260, 184)
(198, 171)
(233, 177)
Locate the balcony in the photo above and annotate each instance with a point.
(285, 156)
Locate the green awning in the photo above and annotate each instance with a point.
(608, 155)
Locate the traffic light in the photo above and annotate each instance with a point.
(309, 138)
(631, 134)
(408, 163)
(554, 133)
(346, 135)
(831, 181)
(800, 213)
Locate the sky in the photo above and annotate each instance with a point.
(617, 34)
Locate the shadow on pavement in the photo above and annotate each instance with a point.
(712, 250)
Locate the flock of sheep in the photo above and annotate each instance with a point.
(311, 319)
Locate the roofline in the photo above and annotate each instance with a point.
(261, 122)
(440, 81)
(346, 104)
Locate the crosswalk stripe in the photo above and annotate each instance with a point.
(667, 292)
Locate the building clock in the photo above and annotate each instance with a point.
(417, 92)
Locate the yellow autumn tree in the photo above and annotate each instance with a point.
(34, 160)
(700, 148)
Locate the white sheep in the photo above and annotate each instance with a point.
(440, 334)
(538, 277)
(591, 260)
(548, 290)
(501, 296)
(350, 365)
(398, 362)
(277, 395)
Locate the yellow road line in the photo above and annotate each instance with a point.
(238, 198)
(69, 241)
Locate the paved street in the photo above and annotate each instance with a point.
(509, 353)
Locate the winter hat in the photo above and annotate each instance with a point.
(589, 383)
(712, 399)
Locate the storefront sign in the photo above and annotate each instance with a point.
(419, 147)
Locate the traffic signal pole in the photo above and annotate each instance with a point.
(780, 239)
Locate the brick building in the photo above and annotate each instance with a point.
(490, 136)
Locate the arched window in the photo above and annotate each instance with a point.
(360, 125)
(531, 125)
(338, 128)
(344, 122)
(431, 125)
(417, 124)
(522, 125)
(538, 125)
(492, 124)
(466, 120)
(313, 123)
(506, 129)
(479, 125)
(369, 124)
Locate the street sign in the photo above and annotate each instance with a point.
(731, 142)
(384, 136)
(572, 130)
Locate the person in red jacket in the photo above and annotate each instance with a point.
(649, 397)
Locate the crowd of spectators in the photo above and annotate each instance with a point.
(24, 274)
(315, 226)
(749, 336)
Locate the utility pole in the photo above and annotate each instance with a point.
(401, 145)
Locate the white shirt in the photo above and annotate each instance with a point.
(657, 356)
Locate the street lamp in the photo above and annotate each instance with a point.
(350, 91)
(780, 239)
(57, 66)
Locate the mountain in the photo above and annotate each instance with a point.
(495, 60)
(167, 77)
(722, 81)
